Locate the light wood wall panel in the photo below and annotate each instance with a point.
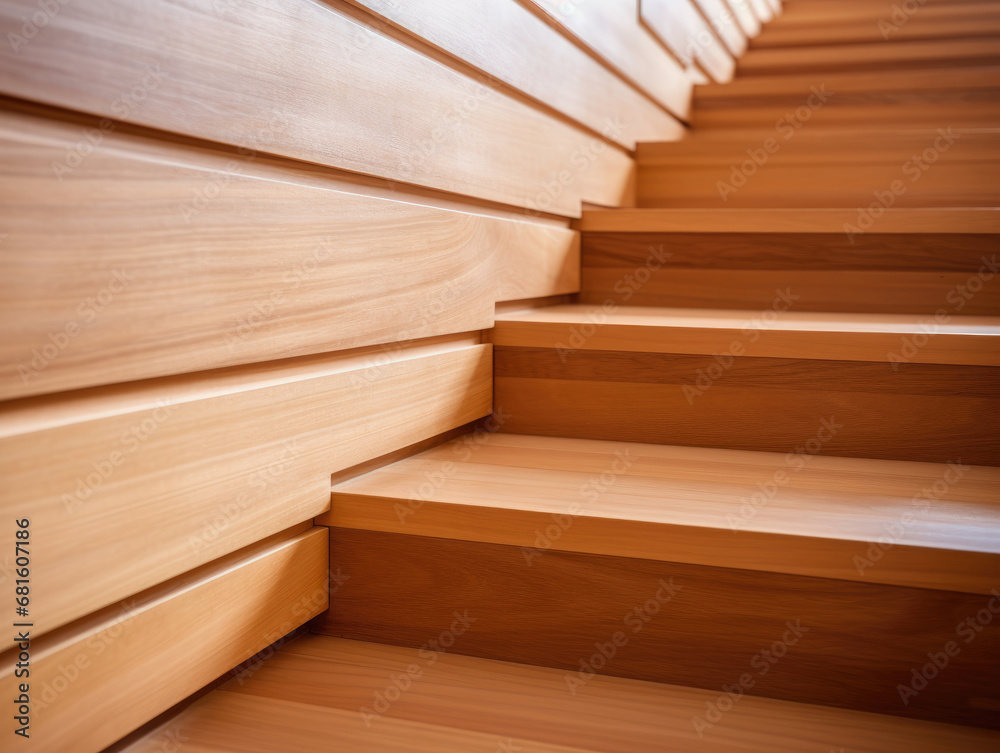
(681, 27)
(99, 680)
(611, 30)
(745, 17)
(507, 41)
(723, 22)
(303, 80)
(154, 258)
(127, 486)
(698, 626)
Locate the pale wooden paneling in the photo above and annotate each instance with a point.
(761, 9)
(611, 29)
(504, 39)
(128, 486)
(684, 31)
(745, 17)
(308, 698)
(722, 20)
(799, 515)
(153, 258)
(301, 79)
(97, 681)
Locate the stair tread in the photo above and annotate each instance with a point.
(788, 220)
(313, 693)
(778, 333)
(690, 504)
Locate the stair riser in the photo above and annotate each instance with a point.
(923, 412)
(843, 644)
(877, 273)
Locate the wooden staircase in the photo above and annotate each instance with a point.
(741, 492)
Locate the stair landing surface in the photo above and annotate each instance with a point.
(319, 694)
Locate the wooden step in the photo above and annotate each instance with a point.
(922, 53)
(791, 164)
(776, 333)
(794, 513)
(319, 693)
(878, 21)
(753, 380)
(708, 259)
(884, 98)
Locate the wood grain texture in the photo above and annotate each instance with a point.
(976, 220)
(874, 273)
(611, 30)
(793, 514)
(512, 44)
(126, 269)
(777, 332)
(683, 29)
(871, 98)
(720, 17)
(97, 681)
(922, 412)
(745, 17)
(706, 626)
(309, 694)
(974, 51)
(171, 473)
(303, 80)
(859, 23)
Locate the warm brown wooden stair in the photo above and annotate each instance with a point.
(777, 332)
(319, 694)
(795, 513)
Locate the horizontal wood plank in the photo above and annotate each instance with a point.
(611, 30)
(682, 28)
(97, 681)
(304, 80)
(172, 473)
(507, 41)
